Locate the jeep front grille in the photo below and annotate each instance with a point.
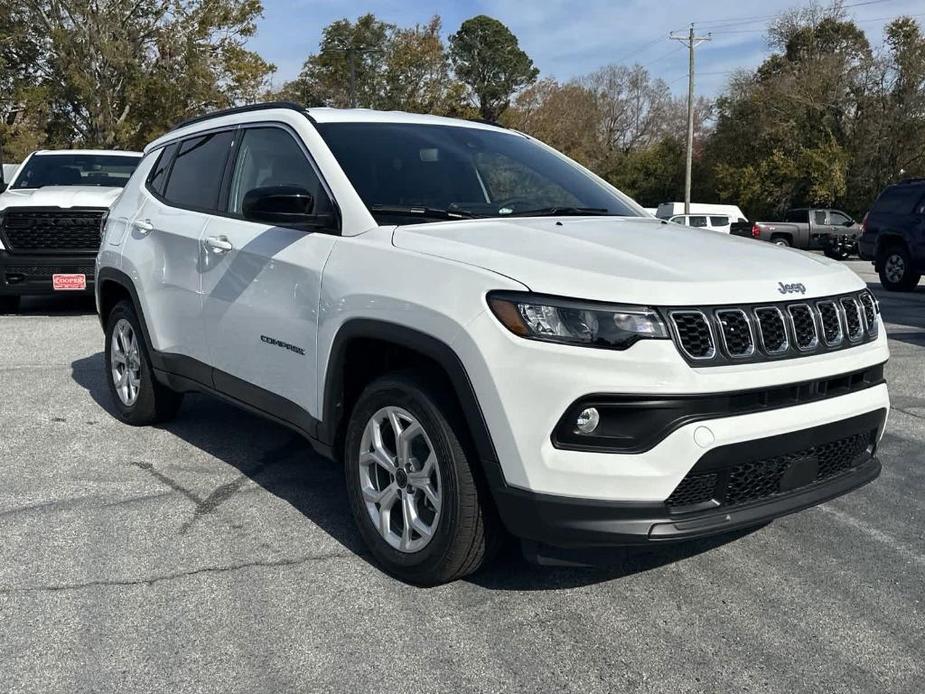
(51, 230)
(717, 335)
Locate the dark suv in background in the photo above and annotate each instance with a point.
(894, 235)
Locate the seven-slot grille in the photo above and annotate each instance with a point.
(51, 230)
(720, 335)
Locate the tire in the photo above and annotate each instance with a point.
(9, 304)
(149, 402)
(781, 241)
(463, 528)
(895, 270)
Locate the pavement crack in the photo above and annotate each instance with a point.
(153, 580)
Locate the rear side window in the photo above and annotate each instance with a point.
(697, 221)
(798, 216)
(819, 217)
(158, 176)
(719, 221)
(901, 199)
(196, 176)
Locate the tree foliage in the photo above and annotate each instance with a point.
(488, 59)
(117, 73)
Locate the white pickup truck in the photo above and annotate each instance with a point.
(51, 213)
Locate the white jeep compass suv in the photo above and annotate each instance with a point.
(489, 336)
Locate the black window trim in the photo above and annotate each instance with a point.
(230, 159)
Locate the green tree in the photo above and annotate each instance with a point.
(487, 58)
(115, 74)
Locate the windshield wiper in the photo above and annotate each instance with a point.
(560, 211)
(422, 211)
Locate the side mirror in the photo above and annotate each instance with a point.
(288, 205)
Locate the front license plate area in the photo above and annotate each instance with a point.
(69, 283)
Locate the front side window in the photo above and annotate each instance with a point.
(196, 176)
(271, 158)
(444, 171)
(103, 170)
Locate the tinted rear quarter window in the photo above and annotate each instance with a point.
(196, 176)
(158, 176)
(719, 221)
(901, 199)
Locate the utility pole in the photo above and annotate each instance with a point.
(691, 41)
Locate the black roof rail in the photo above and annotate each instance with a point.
(917, 179)
(485, 121)
(239, 109)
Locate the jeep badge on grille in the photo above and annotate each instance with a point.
(794, 288)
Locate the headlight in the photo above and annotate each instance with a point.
(567, 321)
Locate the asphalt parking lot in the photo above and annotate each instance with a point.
(217, 554)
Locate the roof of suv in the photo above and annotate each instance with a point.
(118, 152)
(255, 112)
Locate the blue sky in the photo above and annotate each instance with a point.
(570, 38)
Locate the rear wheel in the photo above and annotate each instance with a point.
(412, 490)
(9, 304)
(138, 397)
(781, 241)
(896, 272)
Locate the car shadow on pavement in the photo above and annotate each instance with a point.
(284, 464)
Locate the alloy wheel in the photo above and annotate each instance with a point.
(400, 479)
(126, 362)
(895, 268)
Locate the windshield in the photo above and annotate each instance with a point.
(108, 170)
(426, 172)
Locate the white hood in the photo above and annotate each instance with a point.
(60, 196)
(630, 260)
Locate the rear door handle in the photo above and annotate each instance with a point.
(219, 244)
(144, 226)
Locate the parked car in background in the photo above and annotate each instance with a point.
(831, 231)
(51, 215)
(893, 235)
(485, 334)
(667, 210)
(714, 222)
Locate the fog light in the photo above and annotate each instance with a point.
(588, 420)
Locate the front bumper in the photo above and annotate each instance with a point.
(799, 473)
(25, 275)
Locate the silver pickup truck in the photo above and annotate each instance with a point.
(831, 231)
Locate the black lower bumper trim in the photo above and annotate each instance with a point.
(26, 275)
(574, 522)
(566, 522)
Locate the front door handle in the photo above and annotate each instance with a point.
(144, 226)
(219, 244)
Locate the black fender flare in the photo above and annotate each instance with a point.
(106, 275)
(436, 350)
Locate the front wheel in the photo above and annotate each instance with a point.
(896, 273)
(411, 486)
(138, 397)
